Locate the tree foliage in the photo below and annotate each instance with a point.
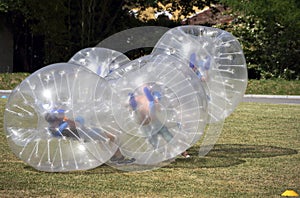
(46, 32)
(182, 7)
(52, 31)
(269, 31)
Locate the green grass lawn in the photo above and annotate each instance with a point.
(11, 80)
(257, 155)
(273, 87)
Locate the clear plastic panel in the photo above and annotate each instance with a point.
(101, 61)
(51, 121)
(216, 57)
(160, 128)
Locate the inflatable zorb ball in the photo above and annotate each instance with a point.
(101, 108)
(54, 119)
(160, 107)
(216, 57)
(101, 61)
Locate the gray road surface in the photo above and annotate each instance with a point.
(4, 93)
(275, 99)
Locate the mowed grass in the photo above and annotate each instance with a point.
(273, 87)
(257, 155)
(9, 81)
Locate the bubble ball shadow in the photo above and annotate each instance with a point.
(250, 151)
(103, 169)
(226, 155)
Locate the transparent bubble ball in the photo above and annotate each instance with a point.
(162, 109)
(52, 119)
(216, 57)
(101, 61)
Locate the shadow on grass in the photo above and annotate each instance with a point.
(225, 155)
(205, 162)
(222, 155)
(103, 169)
(249, 151)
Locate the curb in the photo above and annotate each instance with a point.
(274, 99)
(272, 96)
(5, 91)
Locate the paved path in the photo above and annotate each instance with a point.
(275, 99)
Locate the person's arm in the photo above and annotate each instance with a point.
(61, 127)
(132, 101)
(150, 99)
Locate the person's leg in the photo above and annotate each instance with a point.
(166, 134)
(153, 140)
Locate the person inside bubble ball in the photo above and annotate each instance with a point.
(202, 67)
(145, 106)
(61, 126)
